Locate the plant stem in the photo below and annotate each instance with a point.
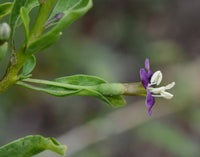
(20, 57)
(42, 17)
(14, 66)
(134, 89)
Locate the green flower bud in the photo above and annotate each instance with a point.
(4, 32)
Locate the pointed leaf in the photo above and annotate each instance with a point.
(30, 4)
(82, 80)
(62, 6)
(116, 100)
(75, 10)
(14, 16)
(25, 20)
(5, 9)
(42, 43)
(52, 90)
(31, 145)
(29, 66)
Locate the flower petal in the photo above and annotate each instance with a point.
(144, 78)
(147, 65)
(150, 73)
(150, 101)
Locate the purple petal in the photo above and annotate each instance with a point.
(150, 110)
(147, 65)
(144, 78)
(150, 101)
(150, 73)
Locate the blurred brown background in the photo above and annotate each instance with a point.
(112, 41)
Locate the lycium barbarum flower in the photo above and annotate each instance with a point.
(149, 81)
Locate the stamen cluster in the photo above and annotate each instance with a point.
(160, 91)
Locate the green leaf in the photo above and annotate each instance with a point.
(3, 50)
(31, 145)
(28, 66)
(85, 80)
(5, 9)
(25, 20)
(14, 17)
(75, 85)
(72, 12)
(52, 90)
(62, 6)
(42, 43)
(116, 100)
(82, 80)
(30, 4)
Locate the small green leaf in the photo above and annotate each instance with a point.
(29, 66)
(25, 20)
(31, 145)
(52, 90)
(82, 80)
(72, 12)
(14, 17)
(30, 4)
(116, 100)
(5, 9)
(42, 43)
(3, 50)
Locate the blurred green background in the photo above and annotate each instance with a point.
(112, 41)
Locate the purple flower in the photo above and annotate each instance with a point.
(149, 80)
(146, 78)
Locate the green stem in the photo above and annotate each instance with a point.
(15, 65)
(134, 89)
(41, 19)
(20, 57)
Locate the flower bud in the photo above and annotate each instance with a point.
(4, 32)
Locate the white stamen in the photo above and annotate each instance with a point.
(157, 90)
(166, 95)
(160, 91)
(169, 86)
(158, 96)
(156, 78)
